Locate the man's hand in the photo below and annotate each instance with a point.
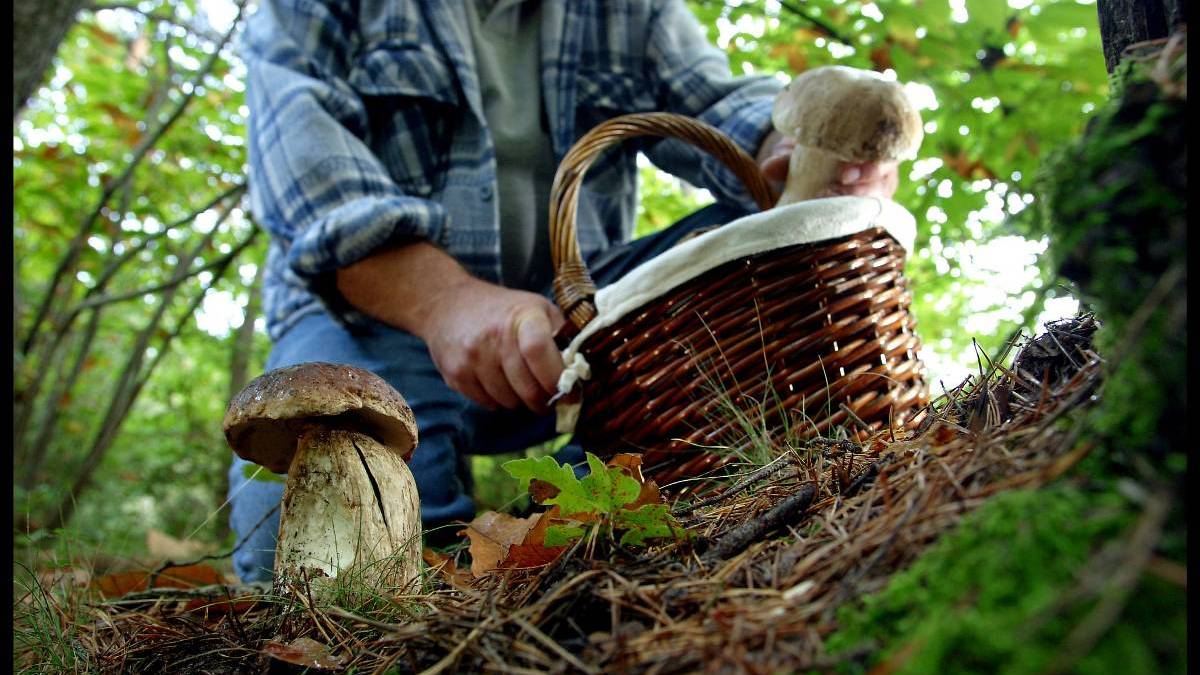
(866, 179)
(493, 344)
(496, 345)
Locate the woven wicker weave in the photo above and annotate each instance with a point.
(813, 330)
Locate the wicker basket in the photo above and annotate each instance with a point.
(820, 331)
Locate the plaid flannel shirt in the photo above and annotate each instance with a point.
(367, 128)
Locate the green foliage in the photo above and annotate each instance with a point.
(988, 596)
(606, 499)
(118, 78)
(663, 200)
(494, 489)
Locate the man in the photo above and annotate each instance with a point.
(401, 157)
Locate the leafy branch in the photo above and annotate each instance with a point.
(75, 248)
(134, 375)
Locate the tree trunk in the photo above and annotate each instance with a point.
(1124, 22)
(38, 28)
(243, 342)
(239, 374)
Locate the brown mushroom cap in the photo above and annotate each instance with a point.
(858, 115)
(265, 420)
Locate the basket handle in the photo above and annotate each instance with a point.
(573, 285)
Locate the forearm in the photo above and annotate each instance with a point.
(493, 344)
(401, 285)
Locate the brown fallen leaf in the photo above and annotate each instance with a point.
(943, 434)
(491, 535)
(165, 547)
(532, 550)
(303, 652)
(444, 566)
(118, 584)
(501, 541)
(631, 465)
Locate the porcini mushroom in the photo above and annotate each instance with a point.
(838, 114)
(342, 435)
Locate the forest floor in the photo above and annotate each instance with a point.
(797, 564)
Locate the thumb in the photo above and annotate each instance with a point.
(535, 340)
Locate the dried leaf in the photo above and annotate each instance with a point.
(444, 565)
(533, 550)
(491, 535)
(943, 434)
(166, 547)
(631, 465)
(118, 584)
(303, 652)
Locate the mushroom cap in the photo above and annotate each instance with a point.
(264, 422)
(856, 114)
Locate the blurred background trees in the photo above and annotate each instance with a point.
(136, 262)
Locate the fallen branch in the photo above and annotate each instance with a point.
(784, 514)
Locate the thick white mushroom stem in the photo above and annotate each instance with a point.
(810, 172)
(350, 504)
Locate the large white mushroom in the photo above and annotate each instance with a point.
(342, 435)
(838, 114)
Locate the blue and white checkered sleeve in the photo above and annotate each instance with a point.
(693, 79)
(315, 185)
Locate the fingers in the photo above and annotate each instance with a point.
(867, 179)
(775, 166)
(535, 343)
(472, 389)
(506, 357)
(495, 379)
(516, 371)
(555, 315)
(472, 369)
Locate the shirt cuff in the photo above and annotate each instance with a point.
(354, 231)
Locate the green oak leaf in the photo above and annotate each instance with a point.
(609, 489)
(571, 498)
(562, 535)
(652, 521)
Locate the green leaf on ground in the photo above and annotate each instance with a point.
(608, 496)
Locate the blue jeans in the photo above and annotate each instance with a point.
(450, 426)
